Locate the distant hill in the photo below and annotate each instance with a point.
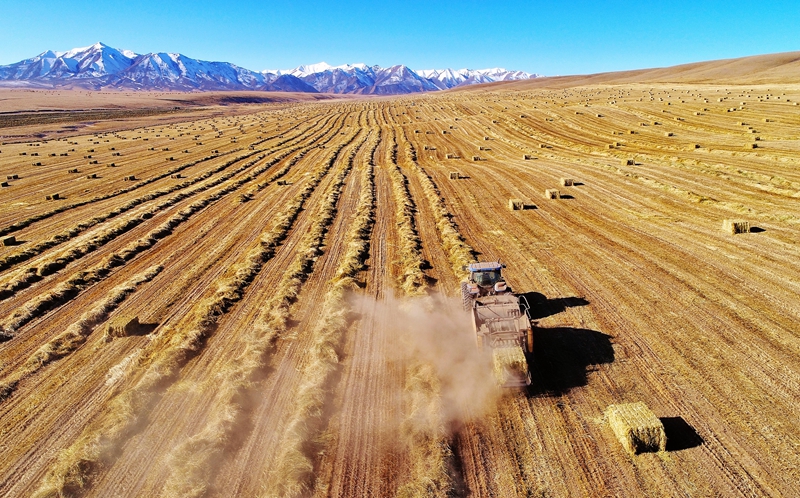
(781, 68)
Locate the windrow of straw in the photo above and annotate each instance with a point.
(75, 466)
(293, 472)
(33, 219)
(27, 276)
(70, 233)
(194, 458)
(412, 278)
(457, 250)
(75, 335)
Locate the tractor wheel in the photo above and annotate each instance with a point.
(466, 297)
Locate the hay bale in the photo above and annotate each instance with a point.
(628, 162)
(567, 182)
(91, 176)
(667, 133)
(12, 177)
(4, 184)
(476, 158)
(123, 326)
(734, 227)
(516, 204)
(9, 241)
(486, 138)
(552, 193)
(454, 175)
(636, 427)
(526, 157)
(509, 363)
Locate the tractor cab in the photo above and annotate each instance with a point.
(486, 279)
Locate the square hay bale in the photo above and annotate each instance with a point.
(736, 226)
(12, 177)
(636, 427)
(542, 146)
(526, 157)
(476, 158)
(552, 193)
(4, 184)
(516, 204)
(486, 138)
(753, 146)
(567, 182)
(93, 175)
(628, 162)
(509, 363)
(667, 133)
(56, 196)
(454, 175)
(9, 241)
(123, 326)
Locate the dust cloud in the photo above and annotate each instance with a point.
(435, 330)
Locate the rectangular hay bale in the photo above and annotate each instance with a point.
(567, 182)
(552, 193)
(636, 427)
(734, 227)
(454, 175)
(508, 364)
(9, 241)
(123, 326)
(516, 204)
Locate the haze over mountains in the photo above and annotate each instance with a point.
(102, 67)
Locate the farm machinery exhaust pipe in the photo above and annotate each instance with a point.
(501, 322)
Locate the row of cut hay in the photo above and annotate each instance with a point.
(412, 278)
(35, 218)
(74, 231)
(422, 429)
(83, 279)
(75, 335)
(76, 465)
(457, 250)
(25, 277)
(194, 458)
(29, 253)
(294, 470)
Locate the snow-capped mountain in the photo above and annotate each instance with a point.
(100, 66)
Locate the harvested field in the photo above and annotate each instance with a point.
(276, 310)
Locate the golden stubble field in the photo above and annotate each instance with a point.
(264, 303)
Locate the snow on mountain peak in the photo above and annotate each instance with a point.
(101, 66)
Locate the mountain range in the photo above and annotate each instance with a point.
(102, 67)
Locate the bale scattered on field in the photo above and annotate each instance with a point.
(734, 227)
(636, 427)
(4, 184)
(9, 241)
(508, 363)
(12, 177)
(628, 162)
(93, 175)
(526, 157)
(567, 182)
(552, 193)
(753, 146)
(516, 204)
(476, 158)
(667, 133)
(486, 138)
(123, 326)
(454, 175)
(542, 146)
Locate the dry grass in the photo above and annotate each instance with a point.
(76, 334)
(167, 354)
(636, 427)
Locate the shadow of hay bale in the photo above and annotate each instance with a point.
(680, 435)
(562, 357)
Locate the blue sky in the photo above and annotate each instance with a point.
(544, 36)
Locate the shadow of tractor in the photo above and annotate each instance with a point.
(563, 356)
